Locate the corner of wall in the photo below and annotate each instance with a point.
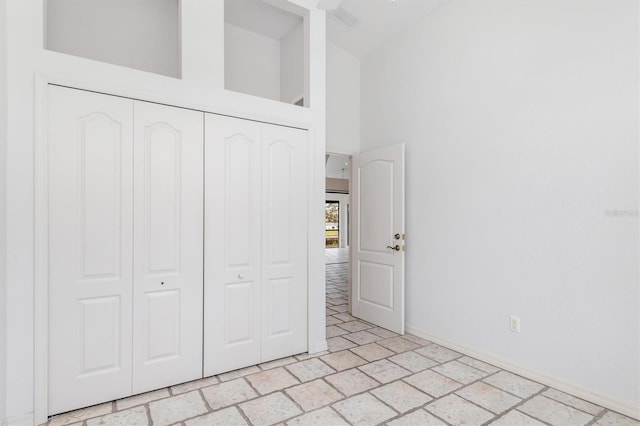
(292, 65)
(202, 29)
(343, 100)
(24, 420)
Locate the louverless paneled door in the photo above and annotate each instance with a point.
(125, 247)
(255, 243)
(90, 248)
(167, 246)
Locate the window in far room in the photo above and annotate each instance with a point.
(332, 224)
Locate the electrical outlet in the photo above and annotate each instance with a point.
(514, 324)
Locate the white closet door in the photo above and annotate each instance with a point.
(232, 244)
(90, 248)
(284, 241)
(168, 244)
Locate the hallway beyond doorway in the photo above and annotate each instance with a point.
(336, 255)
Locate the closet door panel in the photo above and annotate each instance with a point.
(232, 244)
(168, 246)
(90, 248)
(284, 241)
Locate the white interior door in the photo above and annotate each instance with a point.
(90, 248)
(378, 237)
(168, 239)
(256, 199)
(232, 244)
(284, 241)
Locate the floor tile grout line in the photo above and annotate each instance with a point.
(546, 388)
(206, 401)
(384, 402)
(292, 399)
(453, 392)
(465, 385)
(522, 402)
(602, 409)
(339, 413)
(505, 390)
(344, 395)
(597, 418)
(493, 414)
(245, 378)
(242, 413)
(369, 391)
(383, 383)
(147, 411)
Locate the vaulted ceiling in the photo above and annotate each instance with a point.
(378, 20)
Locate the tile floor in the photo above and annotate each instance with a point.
(336, 255)
(369, 376)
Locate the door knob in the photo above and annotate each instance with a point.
(397, 236)
(396, 247)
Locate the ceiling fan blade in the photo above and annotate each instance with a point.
(328, 4)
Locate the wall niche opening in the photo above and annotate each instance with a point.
(138, 34)
(265, 50)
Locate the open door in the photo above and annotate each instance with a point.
(377, 266)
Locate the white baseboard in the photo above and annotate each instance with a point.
(570, 388)
(319, 347)
(24, 420)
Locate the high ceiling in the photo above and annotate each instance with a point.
(337, 166)
(260, 17)
(379, 20)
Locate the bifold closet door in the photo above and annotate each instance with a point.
(125, 247)
(232, 244)
(256, 199)
(90, 160)
(284, 241)
(168, 246)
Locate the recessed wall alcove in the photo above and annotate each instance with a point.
(265, 51)
(265, 48)
(139, 34)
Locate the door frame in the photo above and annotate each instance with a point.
(284, 115)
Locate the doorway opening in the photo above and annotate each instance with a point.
(369, 293)
(337, 240)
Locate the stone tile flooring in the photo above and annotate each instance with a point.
(336, 255)
(369, 376)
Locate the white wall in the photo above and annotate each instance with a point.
(521, 125)
(292, 65)
(201, 87)
(343, 101)
(251, 63)
(3, 207)
(202, 42)
(147, 36)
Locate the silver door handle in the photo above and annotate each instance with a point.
(396, 247)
